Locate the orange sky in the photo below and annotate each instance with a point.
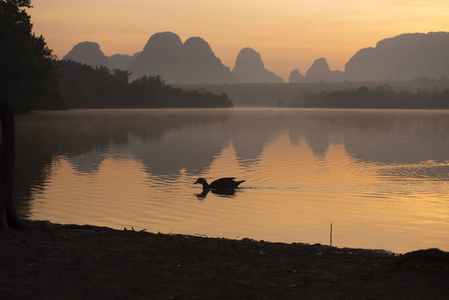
(288, 34)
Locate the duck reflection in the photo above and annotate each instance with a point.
(222, 193)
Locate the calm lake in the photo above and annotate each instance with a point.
(381, 177)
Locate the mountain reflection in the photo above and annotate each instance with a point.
(400, 137)
(168, 141)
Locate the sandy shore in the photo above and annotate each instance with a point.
(87, 262)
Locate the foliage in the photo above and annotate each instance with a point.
(380, 97)
(83, 86)
(27, 73)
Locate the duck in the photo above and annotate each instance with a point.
(227, 183)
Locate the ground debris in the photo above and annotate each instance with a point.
(76, 262)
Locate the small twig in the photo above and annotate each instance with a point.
(165, 233)
(132, 229)
(331, 236)
(200, 235)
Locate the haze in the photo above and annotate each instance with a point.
(288, 33)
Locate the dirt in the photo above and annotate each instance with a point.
(87, 262)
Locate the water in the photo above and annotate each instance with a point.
(379, 176)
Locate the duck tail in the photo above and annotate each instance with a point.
(238, 182)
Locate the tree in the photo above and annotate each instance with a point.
(28, 76)
(122, 75)
(8, 212)
(28, 80)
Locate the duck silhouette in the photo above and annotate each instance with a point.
(227, 183)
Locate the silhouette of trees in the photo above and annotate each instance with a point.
(83, 86)
(27, 73)
(380, 97)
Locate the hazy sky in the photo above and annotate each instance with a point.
(288, 34)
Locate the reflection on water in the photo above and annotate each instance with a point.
(379, 176)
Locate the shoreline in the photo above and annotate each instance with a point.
(86, 262)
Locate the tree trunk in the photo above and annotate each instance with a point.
(8, 213)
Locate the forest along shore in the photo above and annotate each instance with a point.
(74, 262)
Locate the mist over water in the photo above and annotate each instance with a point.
(379, 176)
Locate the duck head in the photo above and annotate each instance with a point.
(202, 181)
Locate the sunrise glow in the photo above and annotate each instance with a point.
(288, 34)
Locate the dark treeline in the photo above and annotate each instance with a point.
(380, 97)
(27, 73)
(83, 86)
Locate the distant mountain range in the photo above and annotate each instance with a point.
(406, 56)
(403, 57)
(191, 62)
